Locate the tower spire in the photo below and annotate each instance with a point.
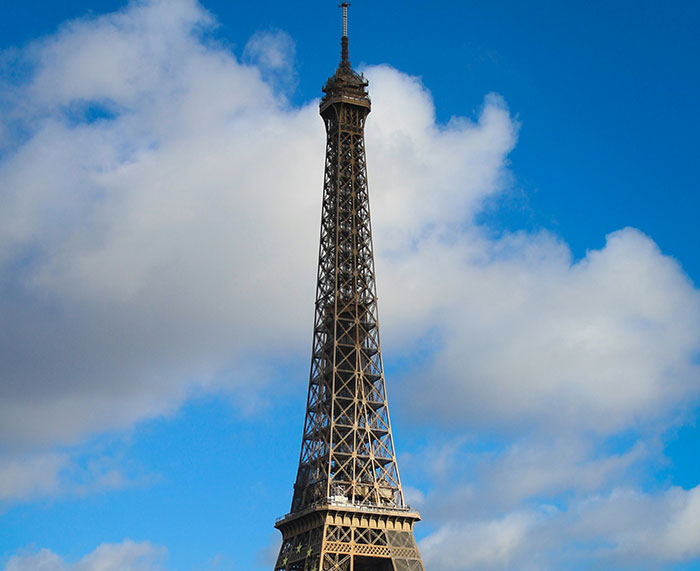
(344, 52)
(344, 6)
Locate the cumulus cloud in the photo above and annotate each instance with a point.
(145, 226)
(126, 556)
(273, 53)
(74, 472)
(162, 211)
(529, 337)
(470, 480)
(486, 545)
(35, 476)
(518, 333)
(625, 528)
(424, 176)
(641, 526)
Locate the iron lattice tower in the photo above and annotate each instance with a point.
(348, 511)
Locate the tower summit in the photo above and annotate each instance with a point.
(348, 511)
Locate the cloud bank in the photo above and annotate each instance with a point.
(145, 224)
(623, 529)
(125, 556)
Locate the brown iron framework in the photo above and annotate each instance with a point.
(348, 511)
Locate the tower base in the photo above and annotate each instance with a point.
(332, 537)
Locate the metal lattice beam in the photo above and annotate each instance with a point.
(348, 510)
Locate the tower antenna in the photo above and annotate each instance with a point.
(344, 6)
(344, 52)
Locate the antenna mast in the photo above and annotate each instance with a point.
(344, 6)
(344, 52)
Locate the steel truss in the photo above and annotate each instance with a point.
(348, 511)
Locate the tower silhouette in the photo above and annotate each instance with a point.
(348, 511)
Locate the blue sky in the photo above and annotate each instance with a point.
(532, 172)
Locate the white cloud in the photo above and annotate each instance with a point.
(161, 217)
(528, 338)
(518, 333)
(77, 472)
(626, 528)
(487, 545)
(36, 476)
(44, 560)
(273, 53)
(148, 251)
(466, 479)
(425, 176)
(126, 556)
(643, 527)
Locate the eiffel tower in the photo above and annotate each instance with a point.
(348, 510)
